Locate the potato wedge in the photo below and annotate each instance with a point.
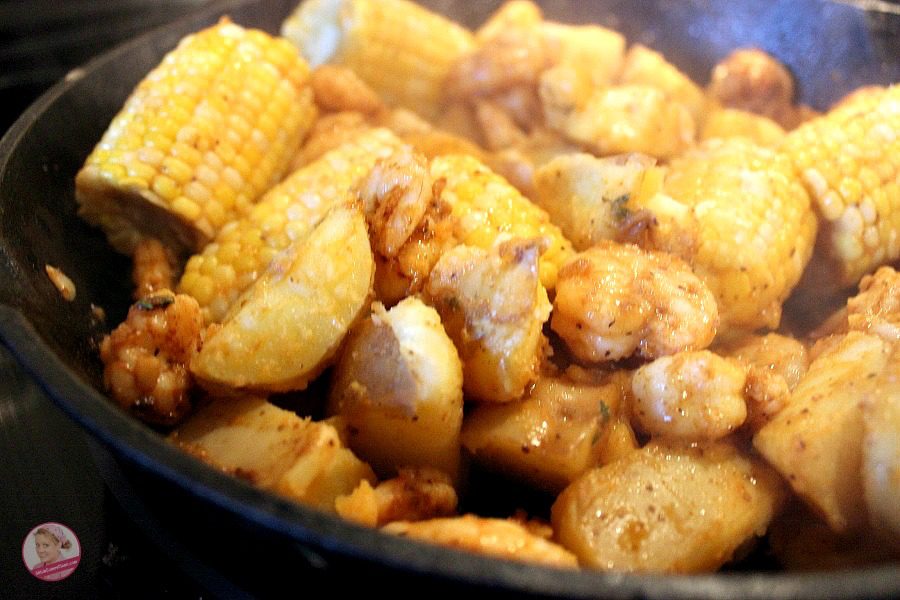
(881, 453)
(398, 386)
(548, 438)
(274, 449)
(816, 441)
(667, 509)
(282, 332)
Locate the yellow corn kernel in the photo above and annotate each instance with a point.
(402, 50)
(151, 173)
(731, 122)
(846, 158)
(244, 248)
(485, 207)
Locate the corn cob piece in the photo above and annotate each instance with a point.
(732, 122)
(849, 160)
(401, 49)
(199, 140)
(739, 216)
(242, 249)
(485, 207)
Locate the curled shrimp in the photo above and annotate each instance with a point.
(775, 364)
(145, 358)
(503, 538)
(339, 89)
(414, 494)
(493, 306)
(614, 300)
(514, 56)
(691, 396)
(395, 197)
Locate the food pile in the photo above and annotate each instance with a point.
(528, 249)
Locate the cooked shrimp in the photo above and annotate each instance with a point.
(522, 104)
(145, 358)
(752, 80)
(494, 537)
(414, 495)
(339, 88)
(152, 268)
(395, 196)
(691, 396)
(498, 128)
(406, 273)
(493, 307)
(515, 56)
(876, 309)
(615, 300)
(775, 364)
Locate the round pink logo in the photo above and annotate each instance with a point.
(51, 551)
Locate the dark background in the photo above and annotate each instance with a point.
(47, 472)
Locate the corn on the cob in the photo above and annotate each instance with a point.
(242, 249)
(402, 50)
(485, 206)
(849, 160)
(738, 214)
(732, 122)
(199, 140)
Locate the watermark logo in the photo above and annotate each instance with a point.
(51, 551)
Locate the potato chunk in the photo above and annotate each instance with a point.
(881, 453)
(586, 196)
(644, 66)
(815, 442)
(550, 437)
(274, 449)
(667, 509)
(618, 119)
(282, 332)
(398, 385)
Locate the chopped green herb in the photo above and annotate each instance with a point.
(620, 207)
(604, 411)
(154, 302)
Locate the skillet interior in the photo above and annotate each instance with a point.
(831, 47)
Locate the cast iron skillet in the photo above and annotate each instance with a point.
(831, 47)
